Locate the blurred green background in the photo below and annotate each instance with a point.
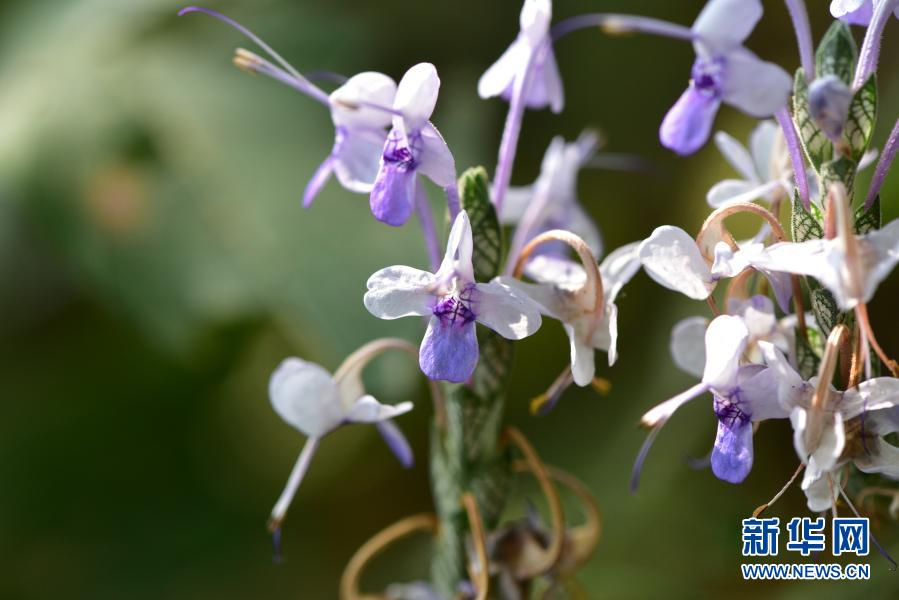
(156, 266)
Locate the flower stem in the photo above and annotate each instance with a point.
(870, 51)
(426, 220)
(799, 16)
(785, 120)
(883, 165)
(509, 143)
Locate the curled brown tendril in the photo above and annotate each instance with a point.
(714, 225)
(481, 575)
(758, 511)
(585, 537)
(550, 558)
(376, 545)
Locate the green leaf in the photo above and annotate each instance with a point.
(862, 116)
(803, 224)
(807, 358)
(474, 196)
(841, 170)
(837, 53)
(818, 148)
(827, 314)
(868, 220)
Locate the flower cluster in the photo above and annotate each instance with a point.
(763, 357)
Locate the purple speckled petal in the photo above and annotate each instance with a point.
(688, 124)
(397, 442)
(393, 195)
(318, 181)
(449, 350)
(732, 454)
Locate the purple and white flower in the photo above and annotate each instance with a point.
(821, 432)
(765, 167)
(551, 202)
(532, 44)
(724, 71)
(413, 146)
(672, 258)
(855, 12)
(742, 395)
(314, 402)
(359, 134)
(453, 301)
(563, 293)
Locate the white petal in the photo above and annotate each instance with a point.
(549, 299)
(833, 440)
(416, 95)
(457, 260)
(885, 245)
(867, 159)
(688, 345)
(672, 258)
(435, 159)
(879, 457)
(548, 89)
(535, 18)
(370, 87)
(358, 158)
(728, 191)
(840, 8)
(516, 201)
(762, 141)
(799, 421)
(606, 335)
(400, 291)
(305, 396)
(737, 155)
(582, 366)
(820, 495)
(545, 268)
(505, 310)
(499, 77)
(871, 395)
(618, 268)
(821, 259)
(792, 389)
(724, 24)
(368, 410)
(756, 87)
(760, 394)
(725, 342)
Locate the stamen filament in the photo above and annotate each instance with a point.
(758, 511)
(617, 24)
(313, 90)
(279, 512)
(785, 120)
(253, 63)
(877, 545)
(883, 165)
(546, 401)
(870, 51)
(803, 29)
(861, 313)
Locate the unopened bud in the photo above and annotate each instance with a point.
(828, 101)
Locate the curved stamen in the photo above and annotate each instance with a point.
(554, 552)
(314, 90)
(758, 511)
(861, 312)
(714, 222)
(877, 545)
(883, 165)
(481, 577)
(376, 545)
(616, 24)
(870, 51)
(593, 286)
(353, 365)
(279, 511)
